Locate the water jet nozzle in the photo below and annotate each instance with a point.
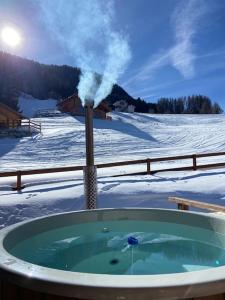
(132, 240)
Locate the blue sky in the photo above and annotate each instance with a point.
(177, 46)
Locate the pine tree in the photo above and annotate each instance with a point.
(217, 109)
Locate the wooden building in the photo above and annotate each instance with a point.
(9, 118)
(74, 106)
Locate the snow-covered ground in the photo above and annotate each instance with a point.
(127, 137)
(29, 105)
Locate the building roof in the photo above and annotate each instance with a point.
(6, 107)
(103, 105)
(74, 96)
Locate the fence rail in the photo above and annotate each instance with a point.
(148, 161)
(31, 125)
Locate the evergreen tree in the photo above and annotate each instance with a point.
(195, 104)
(217, 109)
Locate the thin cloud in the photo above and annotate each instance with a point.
(157, 61)
(185, 22)
(157, 88)
(215, 64)
(154, 63)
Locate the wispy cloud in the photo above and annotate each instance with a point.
(152, 90)
(155, 62)
(185, 22)
(215, 64)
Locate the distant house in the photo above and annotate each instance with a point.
(130, 108)
(9, 118)
(74, 106)
(122, 106)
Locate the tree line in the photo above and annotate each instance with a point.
(195, 104)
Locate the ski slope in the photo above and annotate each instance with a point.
(29, 105)
(126, 137)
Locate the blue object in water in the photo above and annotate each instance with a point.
(132, 240)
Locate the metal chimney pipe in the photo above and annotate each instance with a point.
(90, 170)
(89, 134)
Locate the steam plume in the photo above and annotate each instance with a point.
(85, 30)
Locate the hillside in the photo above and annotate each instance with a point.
(128, 136)
(19, 75)
(41, 81)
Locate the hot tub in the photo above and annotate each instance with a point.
(114, 254)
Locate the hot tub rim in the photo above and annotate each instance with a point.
(23, 270)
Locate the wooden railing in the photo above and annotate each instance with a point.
(148, 162)
(184, 204)
(23, 123)
(31, 125)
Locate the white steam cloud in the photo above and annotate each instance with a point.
(85, 30)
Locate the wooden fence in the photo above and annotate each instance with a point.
(21, 123)
(148, 162)
(31, 125)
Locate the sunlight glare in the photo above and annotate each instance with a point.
(10, 36)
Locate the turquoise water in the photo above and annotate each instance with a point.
(103, 248)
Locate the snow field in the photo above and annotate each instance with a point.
(127, 137)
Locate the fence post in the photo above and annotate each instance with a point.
(148, 166)
(18, 186)
(182, 206)
(194, 162)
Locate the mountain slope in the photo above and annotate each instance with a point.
(41, 81)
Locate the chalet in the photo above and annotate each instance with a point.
(9, 118)
(74, 106)
(130, 108)
(122, 106)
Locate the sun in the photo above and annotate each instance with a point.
(10, 36)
